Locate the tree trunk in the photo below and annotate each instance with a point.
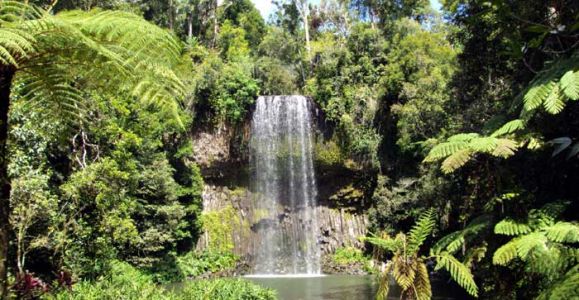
(6, 76)
(307, 31)
(215, 24)
(171, 15)
(190, 26)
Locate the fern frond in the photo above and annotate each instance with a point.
(421, 230)
(454, 241)
(404, 271)
(475, 255)
(422, 283)
(570, 84)
(451, 243)
(505, 148)
(563, 232)
(537, 94)
(384, 283)
(528, 243)
(483, 144)
(456, 160)
(506, 253)
(15, 45)
(388, 244)
(554, 103)
(463, 137)
(509, 127)
(565, 288)
(444, 150)
(512, 227)
(17, 11)
(519, 247)
(458, 271)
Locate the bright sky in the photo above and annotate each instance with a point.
(266, 7)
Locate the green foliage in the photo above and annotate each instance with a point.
(123, 281)
(408, 268)
(232, 42)
(543, 242)
(195, 264)
(545, 89)
(421, 230)
(328, 154)
(459, 149)
(347, 255)
(126, 282)
(218, 227)
(223, 89)
(459, 272)
(223, 289)
(554, 86)
(458, 240)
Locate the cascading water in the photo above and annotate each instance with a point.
(284, 183)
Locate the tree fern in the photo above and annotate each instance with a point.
(537, 94)
(554, 103)
(551, 89)
(386, 243)
(554, 86)
(543, 244)
(409, 269)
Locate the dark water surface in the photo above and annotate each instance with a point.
(337, 287)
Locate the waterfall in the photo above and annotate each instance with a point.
(285, 187)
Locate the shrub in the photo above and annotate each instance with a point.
(225, 289)
(127, 282)
(347, 255)
(194, 264)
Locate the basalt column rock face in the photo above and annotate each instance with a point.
(262, 199)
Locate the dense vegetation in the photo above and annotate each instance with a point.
(471, 111)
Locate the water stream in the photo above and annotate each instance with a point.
(285, 185)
